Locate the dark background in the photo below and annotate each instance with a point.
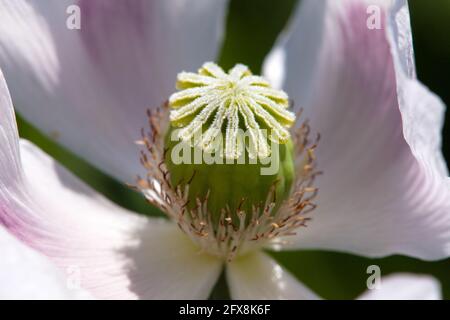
(252, 27)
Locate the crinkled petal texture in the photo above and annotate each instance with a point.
(106, 250)
(257, 276)
(90, 88)
(26, 274)
(405, 287)
(385, 187)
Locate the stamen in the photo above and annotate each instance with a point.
(228, 237)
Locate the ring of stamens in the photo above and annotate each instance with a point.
(228, 238)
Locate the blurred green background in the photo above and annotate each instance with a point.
(252, 27)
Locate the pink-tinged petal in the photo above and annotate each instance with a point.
(106, 250)
(90, 88)
(27, 274)
(385, 187)
(257, 276)
(405, 287)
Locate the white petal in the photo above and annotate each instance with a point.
(104, 249)
(90, 88)
(385, 187)
(405, 287)
(257, 276)
(26, 274)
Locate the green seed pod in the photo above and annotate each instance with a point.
(229, 141)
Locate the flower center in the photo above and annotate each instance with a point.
(225, 206)
(212, 102)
